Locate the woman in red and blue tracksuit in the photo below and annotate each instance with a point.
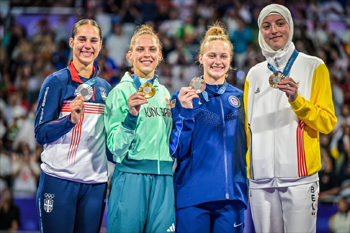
(210, 144)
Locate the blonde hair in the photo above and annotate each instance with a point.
(84, 22)
(142, 30)
(216, 32)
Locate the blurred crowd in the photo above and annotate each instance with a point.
(322, 29)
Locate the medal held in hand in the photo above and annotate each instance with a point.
(278, 76)
(275, 78)
(198, 85)
(85, 90)
(148, 89)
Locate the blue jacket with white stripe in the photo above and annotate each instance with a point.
(209, 143)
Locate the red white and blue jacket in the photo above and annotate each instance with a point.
(75, 152)
(210, 145)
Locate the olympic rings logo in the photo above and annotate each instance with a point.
(49, 195)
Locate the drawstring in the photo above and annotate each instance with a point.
(93, 94)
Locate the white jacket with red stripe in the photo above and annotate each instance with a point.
(284, 136)
(75, 152)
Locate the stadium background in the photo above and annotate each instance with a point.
(34, 36)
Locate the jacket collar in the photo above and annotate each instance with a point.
(279, 62)
(127, 78)
(75, 76)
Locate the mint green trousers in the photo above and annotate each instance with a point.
(141, 203)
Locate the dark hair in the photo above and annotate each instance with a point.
(84, 22)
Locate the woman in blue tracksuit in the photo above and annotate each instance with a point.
(209, 142)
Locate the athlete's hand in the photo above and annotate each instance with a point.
(135, 101)
(186, 96)
(290, 87)
(76, 109)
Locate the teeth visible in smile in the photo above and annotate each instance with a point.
(146, 62)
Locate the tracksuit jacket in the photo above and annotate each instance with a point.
(75, 152)
(139, 144)
(284, 136)
(209, 143)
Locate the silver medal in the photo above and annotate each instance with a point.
(85, 91)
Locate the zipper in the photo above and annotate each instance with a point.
(276, 62)
(227, 196)
(274, 138)
(158, 105)
(158, 163)
(251, 171)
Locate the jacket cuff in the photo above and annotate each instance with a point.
(298, 103)
(187, 113)
(69, 124)
(130, 121)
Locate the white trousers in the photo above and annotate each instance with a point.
(287, 209)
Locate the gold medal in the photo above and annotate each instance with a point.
(85, 91)
(275, 78)
(148, 89)
(198, 85)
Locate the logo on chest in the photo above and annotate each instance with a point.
(103, 93)
(234, 101)
(157, 112)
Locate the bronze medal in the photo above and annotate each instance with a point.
(198, 85)
(275, 78)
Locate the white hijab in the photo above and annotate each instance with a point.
(271, 9)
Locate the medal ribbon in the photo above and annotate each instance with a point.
(208, 89)
(138, 83)
(76, 78)
(288, 66)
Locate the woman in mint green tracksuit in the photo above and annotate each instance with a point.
(142, 194)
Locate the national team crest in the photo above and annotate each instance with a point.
(103, 93)
(167, 100)
(173, 103)
(48, 202)
(234, 101)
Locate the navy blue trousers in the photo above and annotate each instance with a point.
(216, 216)
(67, 206)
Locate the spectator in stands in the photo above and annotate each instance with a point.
(25, 172)
(14, 108)
(109, 70)
(329, 185)
(5, 168)
(338, 95)
(338, 132)
(9, 212)
(117, 44)
(60, 57)
(345, 86)
(241, 38)
(340, 221)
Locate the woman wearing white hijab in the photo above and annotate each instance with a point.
(288, 101)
